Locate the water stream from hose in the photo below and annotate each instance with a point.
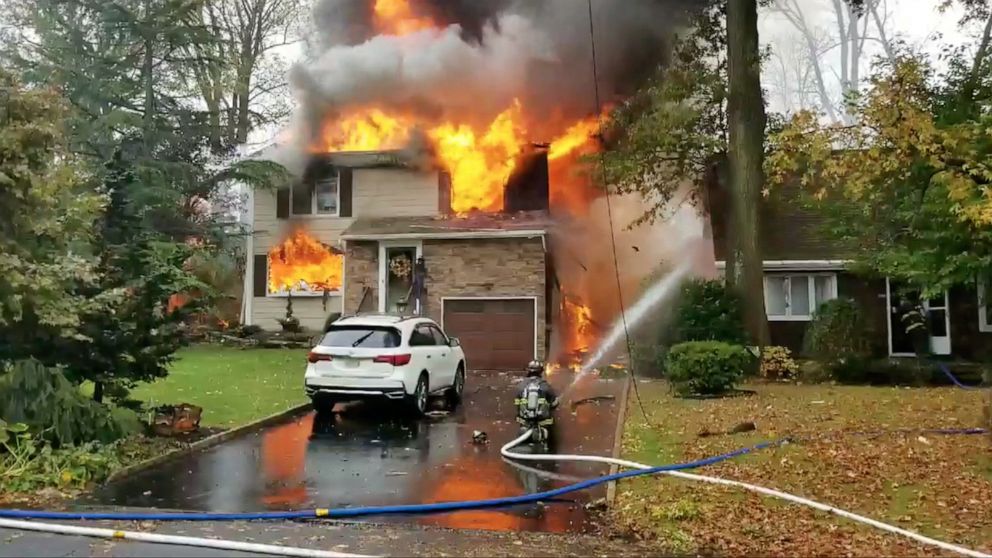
(660, 291)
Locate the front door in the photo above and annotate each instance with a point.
(396, 263)
(938, 321)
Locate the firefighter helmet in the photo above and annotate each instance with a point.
(535, 368)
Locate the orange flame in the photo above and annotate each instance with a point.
(578, 320)
(367, 130)
(396, 17)
(579, 135)
(480, 161)
(302, 262)
(480, 165)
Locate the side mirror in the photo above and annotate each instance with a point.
(454, 342)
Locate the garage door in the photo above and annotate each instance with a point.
(495, 334)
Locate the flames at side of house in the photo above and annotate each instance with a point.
(301, 262)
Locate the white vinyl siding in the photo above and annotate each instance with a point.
(796, 296)
(383, 192)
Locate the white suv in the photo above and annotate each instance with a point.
(401, 358)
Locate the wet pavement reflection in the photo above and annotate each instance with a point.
(371, 455)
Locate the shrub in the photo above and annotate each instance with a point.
(705, 367)
(813, 372)
(777, 364)
(28, 463)
(709, 311)
(838, 331)
(860, 370)
(53, 408)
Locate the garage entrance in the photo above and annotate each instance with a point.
(496, 334)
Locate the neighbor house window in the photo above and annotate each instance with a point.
(985, 305)
(791, 296)
(323, 198)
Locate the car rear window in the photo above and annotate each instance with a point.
(361, 337)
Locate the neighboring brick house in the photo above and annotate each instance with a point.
(489, 278)
(804, 268)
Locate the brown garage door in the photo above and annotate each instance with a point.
(495, 334)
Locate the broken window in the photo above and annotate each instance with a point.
(322, 197)
(326, 193)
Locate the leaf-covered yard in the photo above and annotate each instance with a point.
(234, 386)
(938, 485)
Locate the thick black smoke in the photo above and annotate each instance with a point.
(538, 51)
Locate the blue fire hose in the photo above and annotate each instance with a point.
(953, 379)
(339, 513)
(413, 509)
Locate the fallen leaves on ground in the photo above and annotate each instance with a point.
(845, 455)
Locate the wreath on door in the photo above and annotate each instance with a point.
(400, 266)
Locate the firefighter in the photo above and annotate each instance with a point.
(536, 401)
(914, 321)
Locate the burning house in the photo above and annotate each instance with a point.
(437, 150)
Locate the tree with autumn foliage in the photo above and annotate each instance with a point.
(46, 217)
(703, 109)
(908, 186)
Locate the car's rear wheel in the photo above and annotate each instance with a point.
(417, 402)
(454, 394)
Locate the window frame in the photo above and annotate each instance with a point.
(313, 199)
(984, 317)
(430, 335)
(811, 285)
(445, 340)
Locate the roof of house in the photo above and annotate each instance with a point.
(789, 231)
(369, 159)
(478, 225)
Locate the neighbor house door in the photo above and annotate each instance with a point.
(396, 263)
(938, 322)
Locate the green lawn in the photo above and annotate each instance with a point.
(234, 386)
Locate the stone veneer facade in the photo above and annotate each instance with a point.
(478, 267)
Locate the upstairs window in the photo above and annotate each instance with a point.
(795, 297)
(323, 197)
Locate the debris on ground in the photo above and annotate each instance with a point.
(171, 420)
(594, 399)
(597, 505)
(479, 438)
(740, 428)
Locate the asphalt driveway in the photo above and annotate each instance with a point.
(370, 455)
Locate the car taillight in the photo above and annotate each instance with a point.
(395, 360)
(317, 357)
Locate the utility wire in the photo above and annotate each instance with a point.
(609, 213)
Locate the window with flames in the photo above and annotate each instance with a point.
(302, 265)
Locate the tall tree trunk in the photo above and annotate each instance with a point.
(98, 391)
(968, 91)
(244, 90)
(149, 102)
(746, 117)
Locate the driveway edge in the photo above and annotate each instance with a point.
(611, 487)
(208, 442)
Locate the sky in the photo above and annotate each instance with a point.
(918, 22)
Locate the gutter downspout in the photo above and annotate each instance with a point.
(248, 291)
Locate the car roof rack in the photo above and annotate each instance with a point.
(399, 317)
